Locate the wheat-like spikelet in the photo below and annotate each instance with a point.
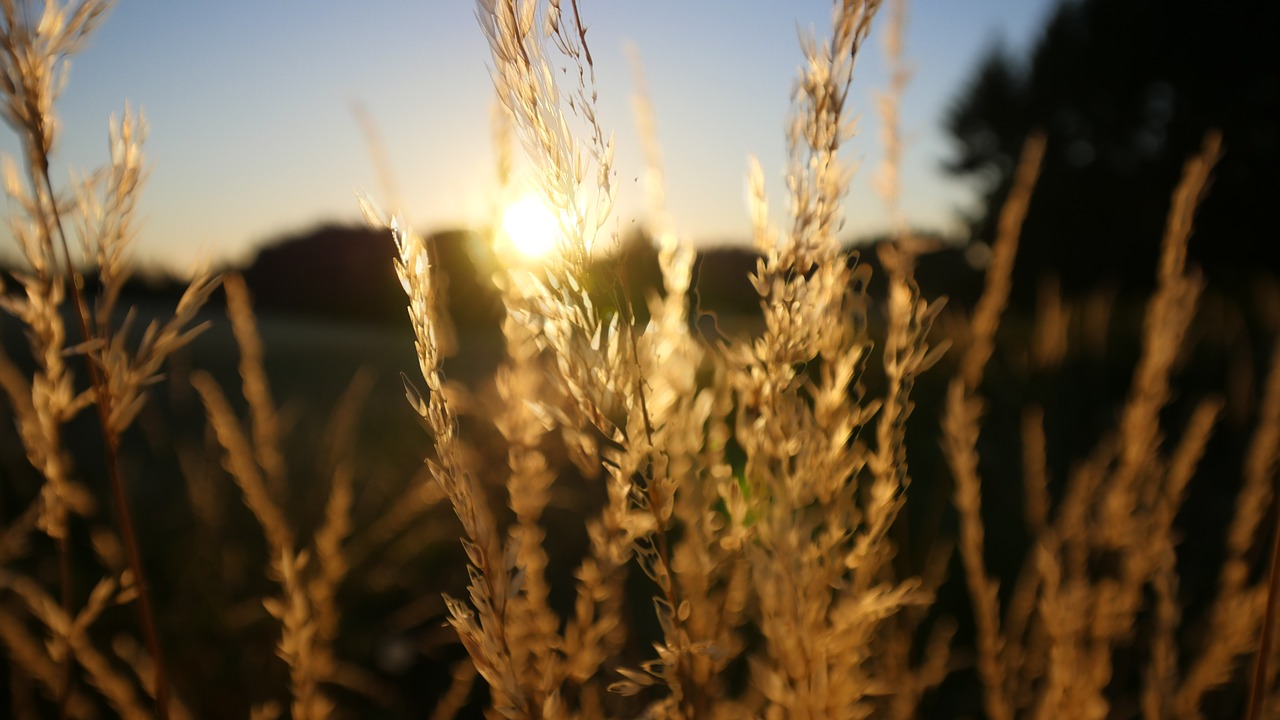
(483, 631)
(46, 401)
(309, 665)
(526, 87)
(36, 62)
(41, 406)
(1234, 617)
(996, 288)
(1160, 686)
(263, 417)
(1105, 564)
(308, 611)
(70, 637)
(961, 422)
(336, 527)
(817, 529)
(1169, 313)
(597, 374)
(521, 421)
(752, 479)
(1141, 490)
(38, 40)
(136, 657)
(105, 212)
(239, 461)
(31, 656)
(888, 180)
(906, 355)
(601, 362)
(798, 538)
(691, 430)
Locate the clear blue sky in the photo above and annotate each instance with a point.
(253, 137)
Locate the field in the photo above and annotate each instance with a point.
(859, 501)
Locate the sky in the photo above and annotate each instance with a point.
(253, 136)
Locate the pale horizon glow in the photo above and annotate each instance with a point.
(252, 137)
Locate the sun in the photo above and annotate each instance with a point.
(531, 227)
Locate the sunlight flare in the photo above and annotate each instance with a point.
(531, 227)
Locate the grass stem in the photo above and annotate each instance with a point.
(1258, 687)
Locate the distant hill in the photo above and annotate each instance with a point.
(347, 272)
(143, 286)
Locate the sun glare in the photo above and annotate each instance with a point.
(531, 227)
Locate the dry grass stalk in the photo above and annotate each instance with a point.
(598, 362)
(1261, 460)
(1239, 606)
(483, 631)
(690, 430)
(239, 461)
(799, 433)
(888, 178)
(308, 610)
(336, 526)
(31, 656)
(906, 355)
(1035, 471)
(1083, 591)
(301, 648)
(996, 287)
(136, 657)
(263, 418)
(519, 384)
(71, 639)
(637, 392)
(960, 434)
(38, 39)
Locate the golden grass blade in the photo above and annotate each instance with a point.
(262, 410)
(1262, 460)
(998, 281)
(239, 460)
(462, 678)
(961, 421)
(30, 655)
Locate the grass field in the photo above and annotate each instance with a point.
(858, 503)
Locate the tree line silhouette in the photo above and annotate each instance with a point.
(1125, 91)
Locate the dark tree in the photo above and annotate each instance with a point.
(1126, 90)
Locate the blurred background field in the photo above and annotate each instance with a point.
(206, 551)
